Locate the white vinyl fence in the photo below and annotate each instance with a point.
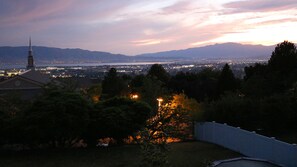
(247, 143)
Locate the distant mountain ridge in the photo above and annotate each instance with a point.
(218, 51)
(48, 55)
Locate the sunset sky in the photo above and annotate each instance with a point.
(140, 26)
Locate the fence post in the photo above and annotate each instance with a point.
(272, 152)
(204, 131)
(294, 150)
(213, 132)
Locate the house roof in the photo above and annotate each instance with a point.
(33, 79)
(35, 76)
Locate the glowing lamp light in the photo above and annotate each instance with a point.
(95, 99)
(160, 100)
(134, 96)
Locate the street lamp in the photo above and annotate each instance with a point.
(160, 100)
(134, 96)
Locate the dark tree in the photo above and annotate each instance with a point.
(148, 89)
(283, 67)
(151, 90)
(276, 77)
(113, 85)
(57, 118)
(6, 112)
(158, 72)
(117, 118)
(233, 110)
(93, 93)
(200, 86)
(227, 81)
(257, 69)
(11, 112)
(284, 58)
(271, 115)
(137, 81)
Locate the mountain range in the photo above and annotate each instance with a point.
(217, 51)
(48, 55)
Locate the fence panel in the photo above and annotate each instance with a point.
(247, 143)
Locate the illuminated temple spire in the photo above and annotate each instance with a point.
(30, 57)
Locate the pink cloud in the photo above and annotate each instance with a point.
(111, 25)
(277, 21)
(23, 14)
(261, 5)
(178, 7)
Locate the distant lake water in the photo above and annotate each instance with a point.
(20, 66)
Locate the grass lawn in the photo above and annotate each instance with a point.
(185, 154)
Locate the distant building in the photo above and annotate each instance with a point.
(27, 84)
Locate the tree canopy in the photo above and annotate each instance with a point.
(201, 86)
(283, 58)
(275, 77)
(58, 116)
(227, 81)
(266, 102)
(157, 71)
(117, 118)
(113, 85)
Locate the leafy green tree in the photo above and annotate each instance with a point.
(189, 105)
(117, 118)
(172, 122)
(58, 118)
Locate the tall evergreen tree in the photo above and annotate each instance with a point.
(277, 76)
(112, 85)
(158, 72)
(227, 81)
(284, 58)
